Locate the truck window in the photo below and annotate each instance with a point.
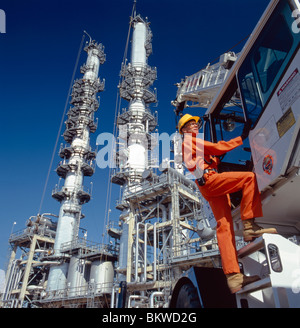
(229, 124)
(267, 60)
(249, 92)
(270, 55)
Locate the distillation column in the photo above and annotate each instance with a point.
(77, 159)
(135, 125)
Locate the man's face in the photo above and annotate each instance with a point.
(191, 127)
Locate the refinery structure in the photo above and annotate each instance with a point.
(163, 251)
(160, 215)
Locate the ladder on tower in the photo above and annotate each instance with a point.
(277, 261)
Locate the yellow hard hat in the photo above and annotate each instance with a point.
(186, 118)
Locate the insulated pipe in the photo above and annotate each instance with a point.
(9, 283)
(34, 287)
(15, 279)
(181, 177)
(152, 298)
(50, 214)
(145, 251)
(135, 297)
(164, 219)
(136, 252)
(154, 257)
(137, 249)
(17, 273)
(46, 263)
(112, 301)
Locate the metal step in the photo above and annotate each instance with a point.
(252, 247)
(257, 285)
(275, 259)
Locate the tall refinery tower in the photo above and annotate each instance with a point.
(135, 125)
(161, 221)
(77, 159)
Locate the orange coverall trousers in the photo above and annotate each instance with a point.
(198, 153)
(216, 191)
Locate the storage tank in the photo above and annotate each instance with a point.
(76, 282)
(102, 276)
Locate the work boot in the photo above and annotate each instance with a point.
(252, 230)
(237, 281)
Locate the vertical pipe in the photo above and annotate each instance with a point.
(145, 251)
(27, 270)
(122, 294)
(9, 272)
(112, 300)
(137, 250)
(155, 249)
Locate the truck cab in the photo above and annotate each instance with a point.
(267, 79)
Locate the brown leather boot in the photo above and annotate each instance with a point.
(237, 281)
(252, 230)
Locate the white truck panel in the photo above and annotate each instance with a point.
(272, 140)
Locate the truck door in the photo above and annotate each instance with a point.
(269, 81)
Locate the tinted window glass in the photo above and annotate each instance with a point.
(273, 49)
(267, 60)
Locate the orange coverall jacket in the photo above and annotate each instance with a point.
(217, 188)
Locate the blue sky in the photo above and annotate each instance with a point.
(37, 58)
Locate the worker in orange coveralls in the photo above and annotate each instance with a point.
(199, 158)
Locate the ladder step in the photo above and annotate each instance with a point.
(256, 285)
(252, 247)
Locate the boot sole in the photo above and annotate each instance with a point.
(235, 290)
(251, 238)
